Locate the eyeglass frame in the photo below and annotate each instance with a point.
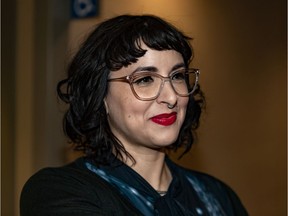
(129, 79)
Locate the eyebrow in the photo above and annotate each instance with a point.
(155, 69)
(177, 66)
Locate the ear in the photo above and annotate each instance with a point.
(106, 106)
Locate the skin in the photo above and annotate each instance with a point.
(130, 118)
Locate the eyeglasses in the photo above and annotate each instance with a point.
(147, 85)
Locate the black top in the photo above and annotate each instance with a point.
(82, 188)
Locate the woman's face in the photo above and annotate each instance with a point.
(146, 124)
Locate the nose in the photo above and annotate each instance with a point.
(167, 94)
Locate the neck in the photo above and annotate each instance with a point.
(152, 168)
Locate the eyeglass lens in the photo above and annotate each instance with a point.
(148, 85)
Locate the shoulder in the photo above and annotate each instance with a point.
(68, 190)
(209, 186)
(198, 177)
(51, 190)
(70, 177)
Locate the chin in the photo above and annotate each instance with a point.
(165, 143)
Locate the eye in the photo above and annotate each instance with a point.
(143, 80)
(178, 76)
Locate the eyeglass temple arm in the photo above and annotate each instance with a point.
(119, 79)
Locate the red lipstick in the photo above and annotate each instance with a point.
(165, 119)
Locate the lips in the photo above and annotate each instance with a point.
(165, 119)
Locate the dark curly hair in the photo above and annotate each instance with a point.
(113, 44)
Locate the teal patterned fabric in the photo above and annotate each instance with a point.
(187, 194)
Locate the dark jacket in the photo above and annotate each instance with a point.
(73, 190)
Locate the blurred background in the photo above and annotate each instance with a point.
(240, 47)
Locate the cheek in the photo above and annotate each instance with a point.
(123, 105)
(183, 103)
(116, 97)
(183, 107)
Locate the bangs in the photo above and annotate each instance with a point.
(125, 46)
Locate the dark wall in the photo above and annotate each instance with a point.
(8, 55)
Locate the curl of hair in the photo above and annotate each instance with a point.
(113, 44)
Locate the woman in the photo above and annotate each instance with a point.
(132, 98)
